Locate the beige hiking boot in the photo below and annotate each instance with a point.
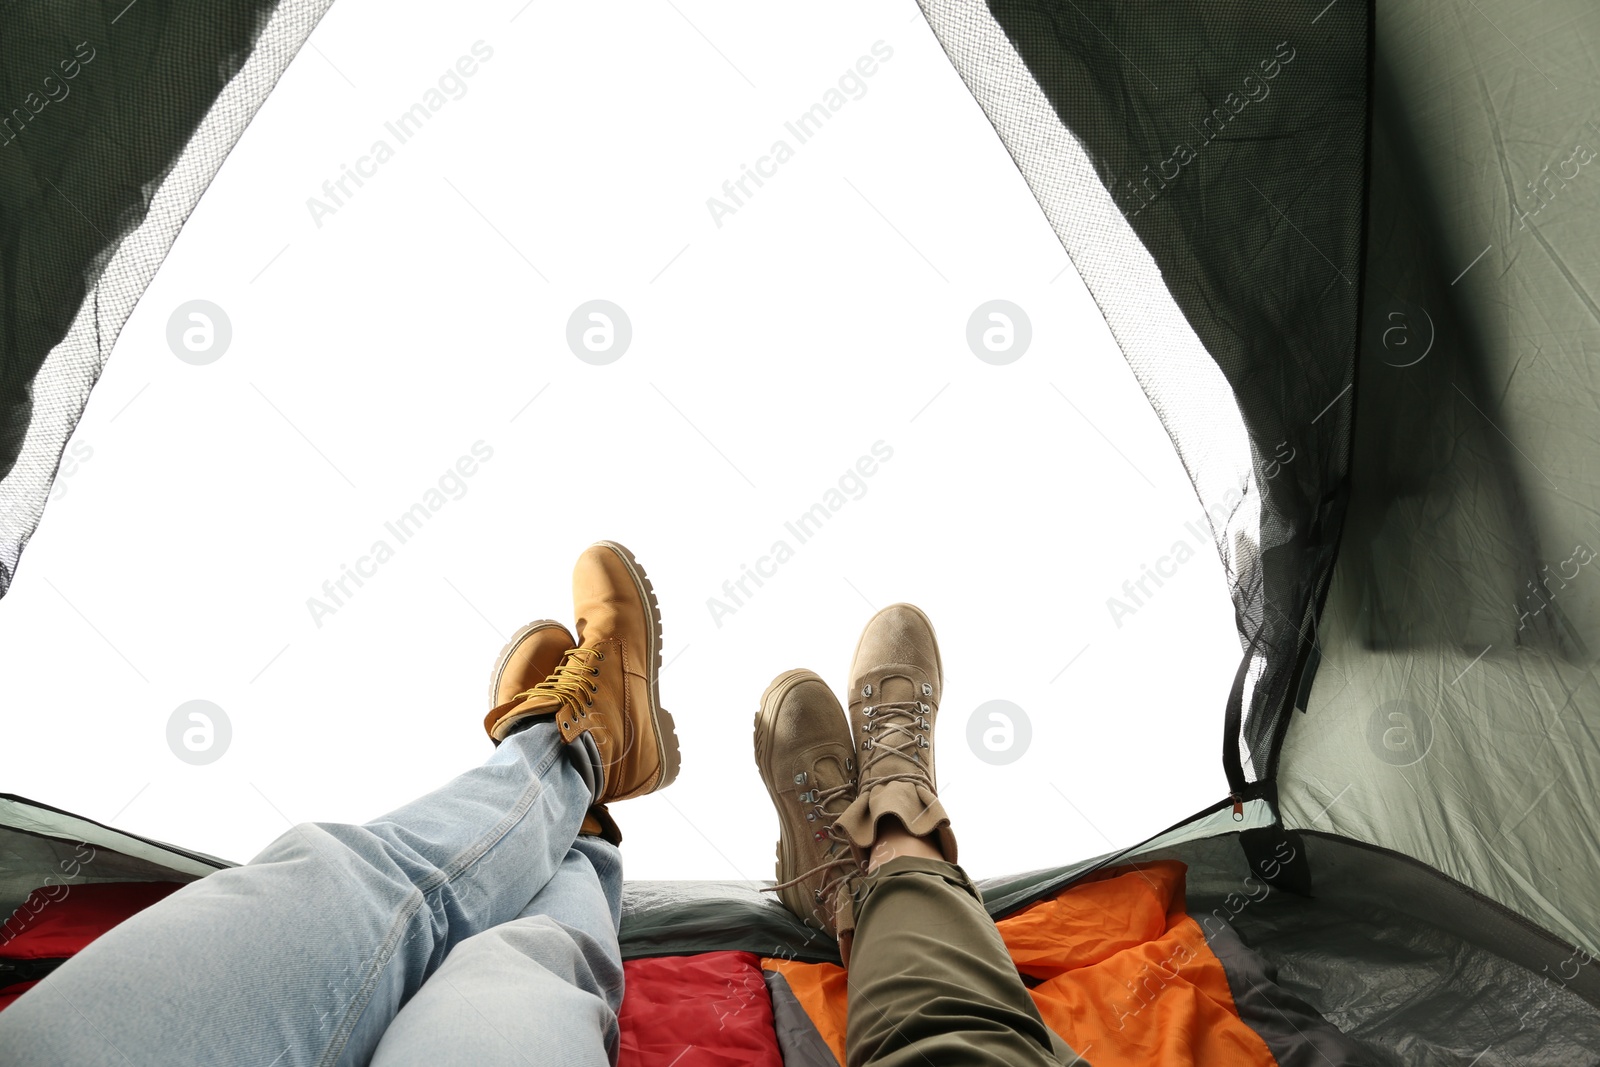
(607, 685)
(531, 656)
(896, 681)
(805, 757)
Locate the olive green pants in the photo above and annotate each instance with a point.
(931, 983)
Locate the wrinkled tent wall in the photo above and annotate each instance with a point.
(1455, 713)
(98, 172)
(45, 846)
(1205, 171)
(1211, 228)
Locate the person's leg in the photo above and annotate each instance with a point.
(547, 986)
(930, 979)
(493, 999)
(305, 954)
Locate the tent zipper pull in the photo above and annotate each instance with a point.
(1238, 807)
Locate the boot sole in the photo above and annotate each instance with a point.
(665, 729)
(765, 725)
(517, 638)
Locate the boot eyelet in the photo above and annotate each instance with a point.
(869, 710)
(922, 742)
(927, 690)
(811, 816)
(588, 703)
(800, 779)
(866, 690)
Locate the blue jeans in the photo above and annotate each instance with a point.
(472, 925)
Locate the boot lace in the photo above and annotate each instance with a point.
(839, 864)
(571, 682)
(896, 728)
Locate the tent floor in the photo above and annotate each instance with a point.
(1418, 969)
(1404, 960)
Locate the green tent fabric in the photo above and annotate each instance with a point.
(1354, 213)
(1460, 631)
(1352, 255)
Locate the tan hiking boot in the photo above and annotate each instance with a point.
(805, 757)
(531, 656)
(607, 686)
(896, 681)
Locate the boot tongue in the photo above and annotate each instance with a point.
(505, 718)
(896, 688)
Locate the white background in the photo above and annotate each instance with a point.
(429, 312)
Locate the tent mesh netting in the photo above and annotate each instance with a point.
(1205, 170)
(117, 118)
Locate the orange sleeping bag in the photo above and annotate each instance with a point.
(1128, 979)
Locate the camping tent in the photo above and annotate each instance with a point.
(1349, 254)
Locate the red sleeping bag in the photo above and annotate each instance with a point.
(58, 920)
(707, 1010)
